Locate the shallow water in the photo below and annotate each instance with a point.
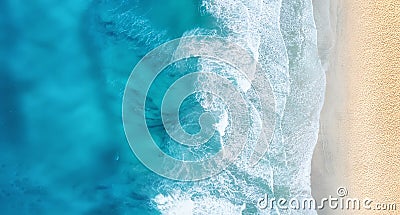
(63, 73)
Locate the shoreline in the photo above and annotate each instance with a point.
(328, 165)
(359, 139)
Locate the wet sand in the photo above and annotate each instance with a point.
(359, 143)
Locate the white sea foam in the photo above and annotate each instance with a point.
(291, 50)
(178, 203)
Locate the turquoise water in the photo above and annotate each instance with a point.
(64, 66)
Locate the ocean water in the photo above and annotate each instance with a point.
(64, 68)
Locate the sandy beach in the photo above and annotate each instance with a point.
(372, 62)
(359, 141)
(328, 165)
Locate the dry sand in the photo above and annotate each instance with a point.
(359, 144)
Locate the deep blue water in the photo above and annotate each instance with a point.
(63, 70)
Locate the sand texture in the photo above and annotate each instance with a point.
(359, 143)
(372, 126)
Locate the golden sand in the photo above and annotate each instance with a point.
(371, 129)
(359, 142)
